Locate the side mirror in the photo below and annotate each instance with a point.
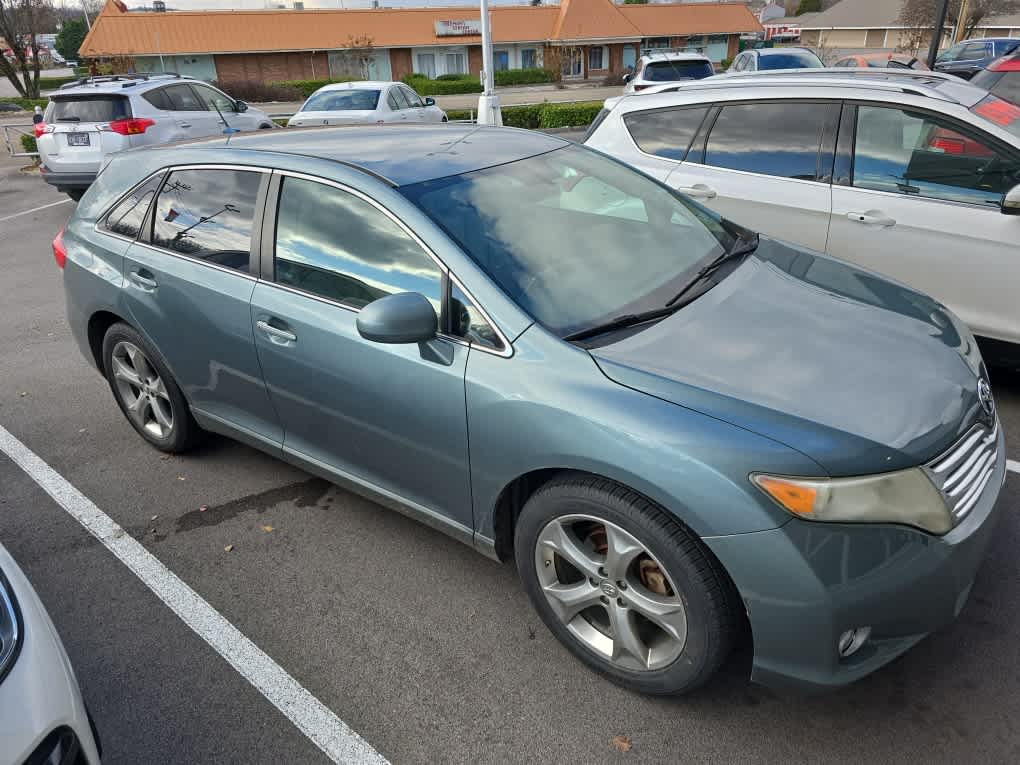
(407, 317)
(429, 101)
(1011, 202)
(240, 106)
(627, 77)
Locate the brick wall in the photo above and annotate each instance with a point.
(616, 57)
(400, 62)
(474, 59)
(271, 67)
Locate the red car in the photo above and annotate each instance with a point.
(881, 61)
(1002, 78)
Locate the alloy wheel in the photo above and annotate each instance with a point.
(610, 592)
(142, 390)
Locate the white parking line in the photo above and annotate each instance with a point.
(311, 716)
(1013, 465)
(35, 209)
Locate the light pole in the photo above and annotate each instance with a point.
(936, 33)
(488, 102)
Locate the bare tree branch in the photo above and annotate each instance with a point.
(20, 23)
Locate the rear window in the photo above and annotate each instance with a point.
(343, 101)
(88, 109)
(669, 71)
(794, 59)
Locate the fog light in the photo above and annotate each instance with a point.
(851, 640)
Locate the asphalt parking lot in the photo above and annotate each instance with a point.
(423, 647)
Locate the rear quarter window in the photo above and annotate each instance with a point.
(159, 99)
(666, 132)
(88, 108)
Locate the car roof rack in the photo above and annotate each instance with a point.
(127, 80)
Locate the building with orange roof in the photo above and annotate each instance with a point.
(590, 38)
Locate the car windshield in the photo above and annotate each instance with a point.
(88, 109)
(794, 59)
(668, 71)
(574, 238)
(342, 101)
(999, 112)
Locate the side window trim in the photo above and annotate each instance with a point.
(270, 204)
(102, 220)
(696, 151)
(843, 167)
(827, 146)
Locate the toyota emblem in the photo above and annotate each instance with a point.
(984, 391)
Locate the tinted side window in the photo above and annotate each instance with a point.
(666, 133)
(467, 322)
(973, 50)
(412, 98)
(159, 99)
(334, 244)
(208, 214)
(213, 99)
(391, 99)
(781, 139)
(126, 218)
(183, 99)
(919, 155)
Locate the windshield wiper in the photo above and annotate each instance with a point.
(740, 248)
(627, 320)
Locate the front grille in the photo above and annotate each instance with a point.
(963, 472)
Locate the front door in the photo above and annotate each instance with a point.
(188, 287)
(193, 118)
(383, 416)
(573, 62)
(923, 205)
(767, 166)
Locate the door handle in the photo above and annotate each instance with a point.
(276, 335)
(184, 124)
(698, 191)
(144, 283)
(873, 219)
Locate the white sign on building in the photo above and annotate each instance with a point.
(458, 28)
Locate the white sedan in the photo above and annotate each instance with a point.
(366, 103)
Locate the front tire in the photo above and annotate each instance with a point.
(146, 392)
(628, 589)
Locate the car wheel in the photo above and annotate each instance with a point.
(76, 194)
(627, 588)
(146, 392)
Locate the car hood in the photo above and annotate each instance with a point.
(353, 116)
(859, 373)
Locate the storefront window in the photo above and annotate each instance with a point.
(426, 65)
(529, 58)
(456, 63)
(501, 60)
(597, 57)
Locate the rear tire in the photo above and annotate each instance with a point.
(628, 589)
(146, 392)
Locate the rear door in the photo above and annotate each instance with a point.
(188, 287)
(921, 202)
(766, 165)
(193, 118)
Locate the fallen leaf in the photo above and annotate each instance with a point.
(23, 393)
(621, 743)
(81, 430)
(181, 478)
(228, 548)
(267, 529)
(203, 508)
(154, 517)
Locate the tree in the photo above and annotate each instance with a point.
(70, 37)
(20, 22)
(357, 56)
(809, 6)
(918, 17)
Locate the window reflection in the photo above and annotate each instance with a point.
(333, 244)
(208, 214)
(126, 218)
(466, 321)
(780, 139)
(667, 133)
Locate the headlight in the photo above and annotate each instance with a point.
(906, 496)
(10, 627)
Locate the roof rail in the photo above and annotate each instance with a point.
(128, 80)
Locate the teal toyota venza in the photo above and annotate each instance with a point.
(677, 429)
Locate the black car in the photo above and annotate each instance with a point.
(1002, 78)
(967, 58)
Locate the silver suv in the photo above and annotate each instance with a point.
(88, 120)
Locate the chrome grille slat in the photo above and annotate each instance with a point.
(964, 470)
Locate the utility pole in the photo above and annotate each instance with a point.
(961, 23)
(936, 33)
(488, 102)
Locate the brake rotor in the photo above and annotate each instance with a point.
(652, 577)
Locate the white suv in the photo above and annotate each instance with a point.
(657, 68)
(87, 120)
(913, 174)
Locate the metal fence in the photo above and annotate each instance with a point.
(12, 139)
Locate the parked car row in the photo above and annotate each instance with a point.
(87, 121)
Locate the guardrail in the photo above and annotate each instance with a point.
(19, 130)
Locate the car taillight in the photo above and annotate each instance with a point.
(996, 110)
(1009, 63)
(59, 251)
(131, 126)
(40, 128)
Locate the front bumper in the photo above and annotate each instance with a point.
(806, 583)
(39, 698)
(67, 180)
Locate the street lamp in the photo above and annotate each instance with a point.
(488, 102)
